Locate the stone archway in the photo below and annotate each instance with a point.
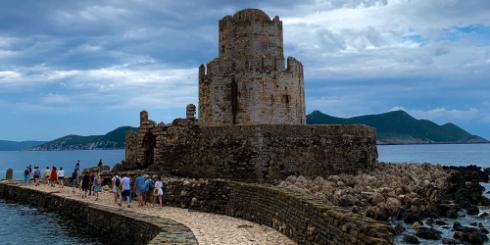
(149, 143)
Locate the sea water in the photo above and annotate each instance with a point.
(444, 154)
(23, 225)
(18, 160)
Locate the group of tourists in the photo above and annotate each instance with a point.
(147, 190)
(51, 176)
(143, 188)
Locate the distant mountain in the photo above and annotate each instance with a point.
(112, 140)
(398, 127)
(6, 145)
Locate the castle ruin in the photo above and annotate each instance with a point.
(248, 83)
(251, 124)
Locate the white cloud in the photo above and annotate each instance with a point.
(55, 99)
(7, 75)
(393, 38)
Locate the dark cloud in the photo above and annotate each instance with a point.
(62, 58)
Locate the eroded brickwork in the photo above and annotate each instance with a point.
(249, 83)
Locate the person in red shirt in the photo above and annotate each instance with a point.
(53, 176)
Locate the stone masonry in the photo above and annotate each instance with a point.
(249, 83)
(251, 124)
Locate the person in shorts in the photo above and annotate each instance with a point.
(140, 189)
(158, 191)
(61, 177)
(46, 174)
(126, 190)
(97, 185)
(37, 175)
(116, 187)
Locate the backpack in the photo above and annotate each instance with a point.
(118, 182)
(151, 184)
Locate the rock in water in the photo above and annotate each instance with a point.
(428, 233)
(449, 241)
(472, 210)
(399, 229)
(471, 237)
(410, 239)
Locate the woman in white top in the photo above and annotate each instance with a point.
(158, 191)
(116, 182)
(61, 177)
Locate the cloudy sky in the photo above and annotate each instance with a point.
(87, 67)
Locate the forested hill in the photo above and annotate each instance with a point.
(112, 140)
(398, 127)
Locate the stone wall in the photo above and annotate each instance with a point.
(256, 153)
(111, 225)
(249, 83)
(301, 218)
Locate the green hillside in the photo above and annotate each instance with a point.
(399, 127)
(7, 145)
(112, 140)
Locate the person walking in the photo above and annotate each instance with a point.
(97, 185)
(158, 191)
(61, 177)
(91, 184)
(126, 190)
(150, 185)
(116, 185)
(54, 176)
(46, 175)
(140, 189)
(27, 174)
(85, 184)
(76, 174)
(37, 175)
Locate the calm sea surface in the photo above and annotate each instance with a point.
(24, 225)
(18, 160)
(446, 154)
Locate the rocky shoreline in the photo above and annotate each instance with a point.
(424, 203)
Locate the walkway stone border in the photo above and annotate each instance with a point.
(114, 226)
(302, 218)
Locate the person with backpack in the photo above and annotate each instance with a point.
(150, 185)
(116, 186)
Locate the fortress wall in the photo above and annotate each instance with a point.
(301, 218)
(111, 225)
(265, 153)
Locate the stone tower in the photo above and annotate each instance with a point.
(249, 83)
